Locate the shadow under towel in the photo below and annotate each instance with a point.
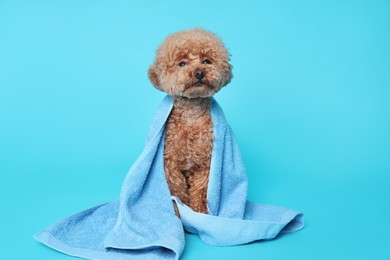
(143, 224)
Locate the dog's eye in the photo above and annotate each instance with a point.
(206, 61)
(182, 64)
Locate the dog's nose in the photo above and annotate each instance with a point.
(198, 74)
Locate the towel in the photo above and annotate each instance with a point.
(142, 224)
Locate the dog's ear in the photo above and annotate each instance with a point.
(153, 76)
(228, 73)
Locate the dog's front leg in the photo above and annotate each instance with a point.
(177, 184)
(198, 182)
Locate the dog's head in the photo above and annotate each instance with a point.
(192, 63)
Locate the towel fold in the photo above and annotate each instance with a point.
(142, 223)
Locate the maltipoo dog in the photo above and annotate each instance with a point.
(191, 66)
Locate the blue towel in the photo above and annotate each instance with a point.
(143, 224)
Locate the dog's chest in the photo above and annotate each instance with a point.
(188, 144)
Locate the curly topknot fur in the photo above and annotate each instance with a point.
(191, 66)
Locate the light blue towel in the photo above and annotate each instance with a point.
(143, 224)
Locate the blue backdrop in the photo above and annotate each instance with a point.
(309, 104)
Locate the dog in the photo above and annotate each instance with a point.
(191, 66)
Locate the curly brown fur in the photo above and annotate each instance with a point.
(187, 153)
(191, 66)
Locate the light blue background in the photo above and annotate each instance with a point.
(309, 104)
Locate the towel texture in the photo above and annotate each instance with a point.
(143, 224)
